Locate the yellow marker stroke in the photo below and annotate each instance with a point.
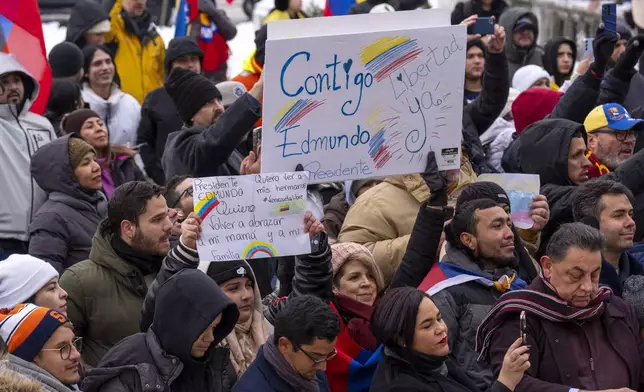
(370, 52)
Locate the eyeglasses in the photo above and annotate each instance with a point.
(187, 192)
(317, 362)
(619, 135)
(66, 350)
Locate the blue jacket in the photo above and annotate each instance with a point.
(260, 376)
(628, 266)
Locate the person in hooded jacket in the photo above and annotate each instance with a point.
(159, 115)
(207, 145)
(499, 136)
(482, 8)
(559, 56)
(521, 47)
(65, 97)
(88, 24)
(179, 352)
(140, 51)
(117, 162)
(62, 230)
(22, 133)
(120, 112)
(555, 149)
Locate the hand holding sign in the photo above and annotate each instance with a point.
(191, 231)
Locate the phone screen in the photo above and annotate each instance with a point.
(609, 17)
(257, 139)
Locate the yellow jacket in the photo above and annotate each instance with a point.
(141, 69)
(276, 14)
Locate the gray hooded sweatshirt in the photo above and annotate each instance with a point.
(62, 229)
(21, 134)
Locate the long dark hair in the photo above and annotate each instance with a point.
(88, 55)
(393, 322)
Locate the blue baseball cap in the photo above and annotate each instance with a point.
(610, 115)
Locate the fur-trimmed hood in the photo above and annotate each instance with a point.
(14, 382)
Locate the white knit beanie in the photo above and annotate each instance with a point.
(525, 76)
(21, 276)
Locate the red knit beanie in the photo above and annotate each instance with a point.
(533, 105)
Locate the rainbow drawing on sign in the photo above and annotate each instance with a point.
(389, 54)
(294, 111)
(259, 247)
(207, 204)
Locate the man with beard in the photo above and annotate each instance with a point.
(608, 206)
(207, 145)
(521, 47)
(106, 291)
(475, 271)
(611, 139)
(581, 336)
(21, 134)
(474, 66)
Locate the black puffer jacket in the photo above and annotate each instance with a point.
(160, 359)
(518, 57)
(85, 15)
(479, 114)
(550, 54)
(544, 151)
(62, 229)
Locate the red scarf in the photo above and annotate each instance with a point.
(598, 169)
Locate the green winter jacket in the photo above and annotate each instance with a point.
(105, 297)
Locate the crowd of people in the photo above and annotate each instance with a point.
(102, 288)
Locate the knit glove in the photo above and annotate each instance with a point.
(625, 67)
(435, 181)
(603, 46)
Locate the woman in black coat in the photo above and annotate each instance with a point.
(415, 353)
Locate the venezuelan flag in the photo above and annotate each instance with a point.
(187, 11)
(339, 7)
(21, 35)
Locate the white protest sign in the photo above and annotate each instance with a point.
(253, 216)
(360, 105)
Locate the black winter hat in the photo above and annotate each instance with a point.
(478, 43)
(281, 5)
(190, 92)
(65, 59)
(64, 97)
(483, 190)
(179, 47)
(223, 271)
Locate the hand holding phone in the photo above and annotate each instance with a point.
(523, 326)
(609, 17)
(257, 139)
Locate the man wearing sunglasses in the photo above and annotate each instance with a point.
(611, 138)
(42, 346)
(295, 357)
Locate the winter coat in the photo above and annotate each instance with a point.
(105, 297)
(139, 61)
(211, 29)
(550, 54)
(160, 359)
(212, 151)
(11, 381)
(178, 259)
(634, 97)
(159, 118)
(517, 57)
(34, 372)
(543, 150)
(62, 230)
(467, 8)
(496, 140)
(334, 214)
(555, 364)
(615, 278)
(21, 134)
(384, 230)
(481, 113)
(120, 112)
(84, 15)
(122, 165)
(395, 374)
(260, 376)
(463, 307)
